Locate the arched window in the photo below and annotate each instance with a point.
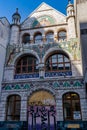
(58, 62)
(62, 36)
(13, 108)
(38, 38)
(27, 64)
(26, 38)
(71, 106)
(50, 37)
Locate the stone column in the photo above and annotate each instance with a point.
(84, 108)
(59, 109)
(44, 38)
(41, 70)
(31, 39)
(55, 37)
(23, 113)
(3, 108)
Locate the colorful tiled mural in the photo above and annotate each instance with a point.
(71, 47)
(43, 21)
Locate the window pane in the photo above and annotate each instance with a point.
(67, 96)
(38, 38)
(62, 35)
(67, 66)
(26, 38)
(60, 58)
(54, 67)
(30, 69)
(54, 59)
(25, 61)
(60, 66)
(74, 96)
(76, 105)
(67, 109)
(66, 59)
(19, 63)
(50, 37)
(24, 70)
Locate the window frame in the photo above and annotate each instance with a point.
(38, 39)
(64, 37)
(27, 65)
(49, 36)
(13, 116)
(71, 106)
(24, 40)
(57, 63)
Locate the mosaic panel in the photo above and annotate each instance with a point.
(71, 46)
(43, 21)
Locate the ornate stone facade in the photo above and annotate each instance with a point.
(43, 21)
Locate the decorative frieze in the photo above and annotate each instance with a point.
(61, 84)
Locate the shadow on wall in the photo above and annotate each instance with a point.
(83, 39)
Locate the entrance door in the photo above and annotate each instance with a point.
(41, 111)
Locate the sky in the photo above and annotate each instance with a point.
(26, 7)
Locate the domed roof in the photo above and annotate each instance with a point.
(16, 14)
(16, 17)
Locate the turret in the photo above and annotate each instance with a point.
(15, 28)
(16, 17)
(71, 20)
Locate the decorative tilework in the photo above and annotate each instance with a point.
(17, 86)
(66, 84)
(77, 83)
(7, 87)
(56, 85)
(56, 74)
(26, 86)
(53, 84)
(24, 76)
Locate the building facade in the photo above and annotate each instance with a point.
(42, 77)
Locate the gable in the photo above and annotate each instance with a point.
(43, 7)
(44, 15)
(4, 21)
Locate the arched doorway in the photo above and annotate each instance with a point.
(41, 111)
